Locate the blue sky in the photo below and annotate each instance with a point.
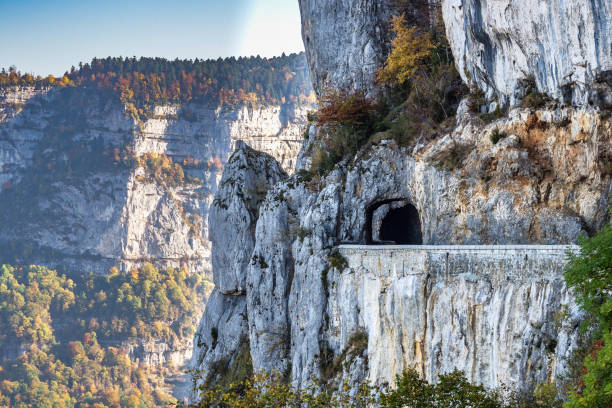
(48, 36)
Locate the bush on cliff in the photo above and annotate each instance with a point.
(421, 90)
(589, 274)
(348, 119)
(421, 81)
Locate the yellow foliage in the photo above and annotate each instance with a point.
(113, 272)
(410, 48)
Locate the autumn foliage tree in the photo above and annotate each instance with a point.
(347, 119)
(411, 48)
(421, 82)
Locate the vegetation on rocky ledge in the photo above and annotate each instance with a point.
(590, 275)
(410, 391)
(420, 92)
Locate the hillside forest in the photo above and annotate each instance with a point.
(144, 81)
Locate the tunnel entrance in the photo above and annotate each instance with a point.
(402, 226)
(393, 222)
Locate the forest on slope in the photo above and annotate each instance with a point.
(63, 336)
(142, 81)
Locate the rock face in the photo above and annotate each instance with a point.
(99, 217)
(224, 328)
(346, 41)
(499, 313)
(547, 182)
(94, 214)
(562, 46)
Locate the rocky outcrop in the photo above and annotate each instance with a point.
(562, 47)
(532, 177)
(224, 329)
(545, 181)
(346, 41)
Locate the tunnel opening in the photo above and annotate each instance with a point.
(401, 226)
(393, 222)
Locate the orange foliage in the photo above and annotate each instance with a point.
(340, 107)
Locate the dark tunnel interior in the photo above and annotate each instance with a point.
(402, 226)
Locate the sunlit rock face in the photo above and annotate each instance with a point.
(95, 218)
(101, 215)
(491, 315)
(500, 314)
(562, 46)
(224, 327)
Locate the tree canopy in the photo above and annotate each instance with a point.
(589, 274)
(227, 81)
(62, 337)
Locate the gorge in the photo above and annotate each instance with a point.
(314, 216)
(90, 184)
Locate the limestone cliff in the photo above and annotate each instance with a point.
(562, 47)
(545, 180)
(505, 48)
(75, 197)
(223, 330)
(535, 186)
(345, 41)
(99, 217)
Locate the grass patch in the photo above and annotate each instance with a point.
(497, 135)
(453, 158)
(331, 367)
(337, 260)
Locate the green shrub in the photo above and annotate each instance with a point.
(226, 375)
(337, 260)
(305, 175)
(452, 390)
(589, 275)
(534, 100)
(303, 233)
(497, 135)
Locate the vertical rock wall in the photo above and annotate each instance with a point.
(500, 314)
(563, 47)
(346, 41)
(224, 328)
(98, 218)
